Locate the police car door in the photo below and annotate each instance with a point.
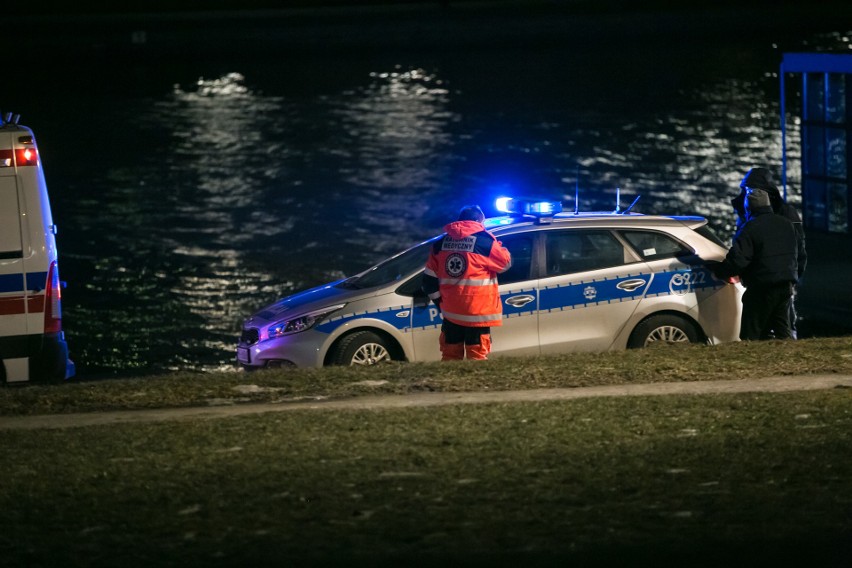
(680, 280)
(519, 333)
(591, 284)
(519, 293)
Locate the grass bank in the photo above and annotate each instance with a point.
(682, 363)
(702, 480)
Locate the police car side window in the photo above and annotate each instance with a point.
(521, 249)
(652, 245)
(580, 251)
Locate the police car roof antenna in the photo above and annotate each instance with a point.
(617, 199)
(626, 211)
(577, 193)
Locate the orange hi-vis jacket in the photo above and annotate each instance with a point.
(461, 275)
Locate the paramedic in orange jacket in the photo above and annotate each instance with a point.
(461, 278)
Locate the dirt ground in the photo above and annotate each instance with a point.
(769, 384)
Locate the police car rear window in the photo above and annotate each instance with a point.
(652, 245)
(708, 233)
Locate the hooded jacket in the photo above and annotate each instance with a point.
(461, 275)
(763, 252)
(760, 178)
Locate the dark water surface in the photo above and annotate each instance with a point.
(192, 190)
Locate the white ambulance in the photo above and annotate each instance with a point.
(32, 343)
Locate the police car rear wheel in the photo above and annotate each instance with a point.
(361, 348)
(662, 330)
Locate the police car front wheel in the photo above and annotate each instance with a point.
(663, 329)
(361, 348)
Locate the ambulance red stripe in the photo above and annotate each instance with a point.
(13, 305)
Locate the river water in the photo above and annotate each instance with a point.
(191, 191)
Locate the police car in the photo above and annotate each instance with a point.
(578, 282)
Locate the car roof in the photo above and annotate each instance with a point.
(593, 219)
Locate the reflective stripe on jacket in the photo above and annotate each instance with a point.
(461, 275)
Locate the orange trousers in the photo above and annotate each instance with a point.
(458, 351)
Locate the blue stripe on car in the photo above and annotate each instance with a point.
(552, 298)
(387, 315)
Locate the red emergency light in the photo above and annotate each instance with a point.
(26, 157)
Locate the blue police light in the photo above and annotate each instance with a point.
(534, 207)
(502, 204)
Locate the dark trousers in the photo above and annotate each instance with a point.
(454, 333)
(458, 342)
(766, 312)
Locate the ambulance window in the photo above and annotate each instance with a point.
(652, 245)
(521, 249)
(580, 251)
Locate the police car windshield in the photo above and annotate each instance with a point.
(392, 269)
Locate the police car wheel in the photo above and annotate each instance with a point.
(361, 348)
(662, 330)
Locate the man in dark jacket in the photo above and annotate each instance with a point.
(761, 178)
(765, 257)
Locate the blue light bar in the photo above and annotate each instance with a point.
(534, 207)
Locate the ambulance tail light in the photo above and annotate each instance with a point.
(53, 301)
(26, 157)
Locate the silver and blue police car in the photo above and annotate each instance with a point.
(578, 282)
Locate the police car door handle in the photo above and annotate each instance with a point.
(520, 301)
(630, 285)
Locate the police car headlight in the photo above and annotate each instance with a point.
(300, 323)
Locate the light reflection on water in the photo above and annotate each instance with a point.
(245, 189)
(397, 152)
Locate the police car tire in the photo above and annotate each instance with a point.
(664, 323)
(352, 344)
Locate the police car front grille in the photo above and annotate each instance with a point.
(250, 336)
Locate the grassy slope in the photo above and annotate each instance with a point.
(701, 480)
(686, 363)
(668, 481)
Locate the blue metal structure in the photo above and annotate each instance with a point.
(826, 109)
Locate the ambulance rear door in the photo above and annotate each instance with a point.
(13, 307)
